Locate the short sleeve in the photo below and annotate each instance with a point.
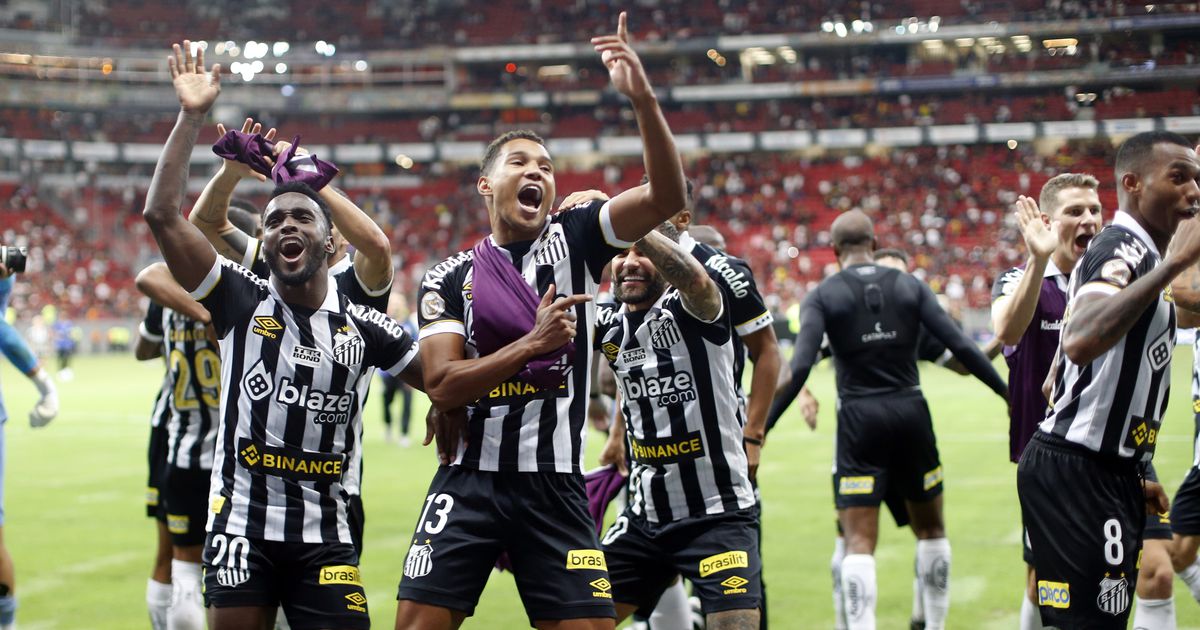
(440, 304)
(1006, 284)
(588, 229)
(151, 328)
(352, 287)
(1110, 263)
(747, 309)
(389, 346)
(231, 293)
(717, 330)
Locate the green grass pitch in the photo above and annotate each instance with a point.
(83, 549)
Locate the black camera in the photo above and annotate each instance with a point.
(13, 258)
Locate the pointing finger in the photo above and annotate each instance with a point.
(571, 300)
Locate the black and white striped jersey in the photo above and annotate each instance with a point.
(1114, 405)
(675, 375)
(1196, 399)
(517, 426)
(152, 322)
(344, 274)
(290, 405)
(747, 308)
(192, 390)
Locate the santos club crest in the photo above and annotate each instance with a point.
(348, 347)
(419, 562)
(1114, 595)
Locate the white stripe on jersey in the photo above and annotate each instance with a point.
(191, 421)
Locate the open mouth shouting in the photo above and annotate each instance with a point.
(291, 250)
(529, 198)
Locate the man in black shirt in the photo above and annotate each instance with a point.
(873, 315)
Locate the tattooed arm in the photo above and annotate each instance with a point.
(700, 294)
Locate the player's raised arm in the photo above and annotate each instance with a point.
(1100, 319)
(1012, 312)
(638, 210)
(156, 283)
(941, 326)
(188, 254)
(373, 251)
(681, 270)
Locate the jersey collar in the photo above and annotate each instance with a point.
(1126, 220)
(331, 303)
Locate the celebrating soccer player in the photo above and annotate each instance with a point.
(885, 443)
(294, 353)
(1084, 495)
(506, 330)
(692, 509)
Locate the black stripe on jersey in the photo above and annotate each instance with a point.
(256, 514)
(338, 381)
(1062, 424)
(297, 421)
(200, 415)
(227, 431)
(548, 418)
(1128, 382)
(689, 476)
(722, 476)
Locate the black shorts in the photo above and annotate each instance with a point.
(316, 585)
(540, 519)
(893, 499)
(156, 460)
(1185, 510)
(718, 554)
(1158, 526)
(1084, 517)
(185, 497)
(886, 452)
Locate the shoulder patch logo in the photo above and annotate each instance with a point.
(267, 326)
(610, 350)
(1116, 272)
(432, 305)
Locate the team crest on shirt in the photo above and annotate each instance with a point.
(419, 561)
(348, 347)
(553, 249)
(665, 334)
(1114, 595)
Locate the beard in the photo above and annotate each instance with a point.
(314, 260)
(650, 290)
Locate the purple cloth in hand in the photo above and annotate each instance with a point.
(308, 169)
(603, 484)
(505, 309)
(249, 149)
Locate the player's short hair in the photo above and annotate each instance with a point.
(493, 148)
(244, 204)
(852, 228)
(1134, 154)
(244, 220)
(686, 182)
(891, 252)
(1048, 199)
(668, 229)
(307, 191)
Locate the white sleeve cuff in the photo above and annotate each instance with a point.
(147, 335)
(376, 293)
(209, 283)
(755, 325)
(251, 253)
(441, 327)
(396, 369)
(606, 227)
(1100, 287)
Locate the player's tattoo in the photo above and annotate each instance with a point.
(235, 244)
(733, 620)
(684, 273)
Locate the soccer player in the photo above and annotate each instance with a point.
(521, 367)
(294, 353)
(692, 509)
(1081, 479)
(885, 442)
(1027, 316)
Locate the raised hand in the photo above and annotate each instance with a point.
(555, 323)
(236, 168)
(1185, 245)
(624, 67)
(1039, 239)
(197, 90)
